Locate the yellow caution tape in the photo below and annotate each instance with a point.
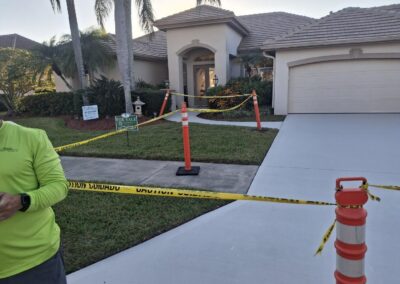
(371, 196)
(210, 97)
(218, 110)
(389, 187)
(184, 193)
(76, 144)
(325, 238)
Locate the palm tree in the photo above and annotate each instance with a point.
(96, 51)
(123, 34)
(49, 55)
(73, 24)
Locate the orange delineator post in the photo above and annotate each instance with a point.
(164, 104)
(256, 109)
(350, 233)
(188, 169)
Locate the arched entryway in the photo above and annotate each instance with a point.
(198, 73)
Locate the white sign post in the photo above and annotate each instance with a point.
(90, 112)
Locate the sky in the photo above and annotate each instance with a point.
(36, 20)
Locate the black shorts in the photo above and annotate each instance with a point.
(49, 272)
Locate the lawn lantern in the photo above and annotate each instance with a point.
(138, 106)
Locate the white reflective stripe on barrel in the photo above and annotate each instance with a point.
(352, 235)
(185, 123)
(350, 268)
(185, 115)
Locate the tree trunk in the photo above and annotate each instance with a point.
(76, 44)
(122, 48)
(128, 15)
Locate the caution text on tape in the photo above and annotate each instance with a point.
(185, 193)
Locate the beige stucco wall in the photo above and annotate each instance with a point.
(219, 38)
(153, 72)
(285, 57)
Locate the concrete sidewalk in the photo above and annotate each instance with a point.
(214, 177)
(193, 118)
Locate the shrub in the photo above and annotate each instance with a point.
(2, 107)
(153, 100)
(241, 86)
(108, 95)
(51, 104)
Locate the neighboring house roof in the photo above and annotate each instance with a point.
(17, 41)
(199, 16)
(267, 26)
(347, 26)
(152, 46)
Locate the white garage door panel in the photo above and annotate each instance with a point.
(356, 86)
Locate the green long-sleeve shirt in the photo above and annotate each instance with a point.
(29, 164)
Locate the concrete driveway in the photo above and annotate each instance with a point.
(251, 242)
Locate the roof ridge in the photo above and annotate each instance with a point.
(195, 8)
(305, 26)
(275, 12)
(380, 11)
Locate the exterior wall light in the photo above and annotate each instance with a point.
(215, 80)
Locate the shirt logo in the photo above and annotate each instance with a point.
(8, 149)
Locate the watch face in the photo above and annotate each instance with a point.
(25, 202)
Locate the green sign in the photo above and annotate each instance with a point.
(129, 123)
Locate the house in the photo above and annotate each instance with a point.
(17, 41)
(195, 48)
(346, 62)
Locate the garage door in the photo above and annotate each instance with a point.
(352, 86)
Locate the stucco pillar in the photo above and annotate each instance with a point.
(175, 72)
(190, 81)
(222, 66)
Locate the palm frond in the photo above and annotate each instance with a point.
(102, 9)
(56, 5)
(212, 2)
(146, 15)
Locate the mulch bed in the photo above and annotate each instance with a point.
(98, 124)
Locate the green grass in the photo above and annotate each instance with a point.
(97, 225)
(219, 144)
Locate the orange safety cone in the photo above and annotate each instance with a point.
(164, 104)
(187, 169)
(256, 109)
(350, 233)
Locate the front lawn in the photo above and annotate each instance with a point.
(97, 225)
(220, 144)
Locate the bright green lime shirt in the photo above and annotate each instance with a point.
(29, 164)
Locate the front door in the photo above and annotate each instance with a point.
(203, 79)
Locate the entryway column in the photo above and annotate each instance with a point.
(222, 67)
(175, 69)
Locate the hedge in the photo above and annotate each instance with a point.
(55, 104)
(153, 100)
(51, 104)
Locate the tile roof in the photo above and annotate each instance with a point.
(17, 41)
(197, 14)
(149, 47)
(267, 26)
(347, 26)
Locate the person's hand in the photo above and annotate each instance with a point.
(9, 205)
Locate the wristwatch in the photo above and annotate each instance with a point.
(25, 202)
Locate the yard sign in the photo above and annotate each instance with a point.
(129, 123)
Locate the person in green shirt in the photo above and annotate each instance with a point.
(31, 181)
